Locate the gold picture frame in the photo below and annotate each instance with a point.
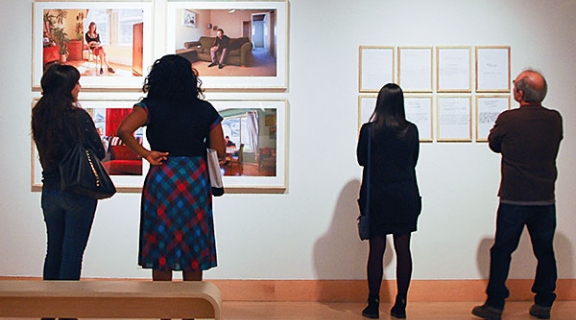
(415, 69)
(488, 107)
(492, 69)
(454, 69)
(376, 67)
(454, 118)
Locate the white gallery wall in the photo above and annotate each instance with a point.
(309, 231)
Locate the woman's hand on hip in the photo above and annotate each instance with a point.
(156, 158)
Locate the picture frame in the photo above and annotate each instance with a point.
(488, 107)
(366, 105)
(58, 34)
(264, 169)
(418, 111)
(126, 168)
(415, 72)
(377, 66)
(189, 17)
(454, 118)
(256, 132)
(493, 69)
(454, 69)
(257, 55)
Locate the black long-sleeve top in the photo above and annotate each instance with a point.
(91, 139)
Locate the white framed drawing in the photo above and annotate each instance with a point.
(454, 69)
(454, 118)
(418, 110)
(493, 69)
(415, 69)
(488, 107)
(376, 67)
(366, 105)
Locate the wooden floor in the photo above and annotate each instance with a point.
(231, 310)
(349, 311)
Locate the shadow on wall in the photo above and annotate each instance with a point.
(523, 265)
(340, 254)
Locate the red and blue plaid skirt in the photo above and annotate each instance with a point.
(176, 224)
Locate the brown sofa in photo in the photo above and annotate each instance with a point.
(239, 52)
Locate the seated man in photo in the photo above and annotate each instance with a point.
(221, 44)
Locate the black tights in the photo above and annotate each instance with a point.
(403, 264)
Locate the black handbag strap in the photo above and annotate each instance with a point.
(368, 169)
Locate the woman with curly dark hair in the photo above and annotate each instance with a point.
(176, 226)
(57, 123)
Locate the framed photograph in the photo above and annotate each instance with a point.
(252, 54)
(108, 42)
(189, 19)
(415, 69)
(126, 168)
(454, 118)
(255, 134)
(454, 69)
(419, 111)
(488, 107)
(493, 69)
(376, 67)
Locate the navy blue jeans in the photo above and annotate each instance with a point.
(541, 224)
(68, 220)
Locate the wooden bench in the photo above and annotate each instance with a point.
(109, 299)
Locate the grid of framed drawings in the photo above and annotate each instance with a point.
(131, 40)
(452, 93)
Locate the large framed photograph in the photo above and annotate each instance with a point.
(488, 107)
(126, 168)
(108, 42)
(255, 132)
(235, 45)
(376, 67)
(493, 69)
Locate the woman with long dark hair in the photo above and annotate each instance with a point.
(176, 226)
(58, 123)
(388, 149)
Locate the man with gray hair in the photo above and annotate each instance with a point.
(528, 139)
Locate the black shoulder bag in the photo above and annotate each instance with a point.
(81, 172)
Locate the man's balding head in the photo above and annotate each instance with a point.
(532, 85)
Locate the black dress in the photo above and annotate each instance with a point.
(395, 201)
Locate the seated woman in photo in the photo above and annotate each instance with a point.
(93, 41)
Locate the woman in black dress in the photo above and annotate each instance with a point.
(388, 149)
